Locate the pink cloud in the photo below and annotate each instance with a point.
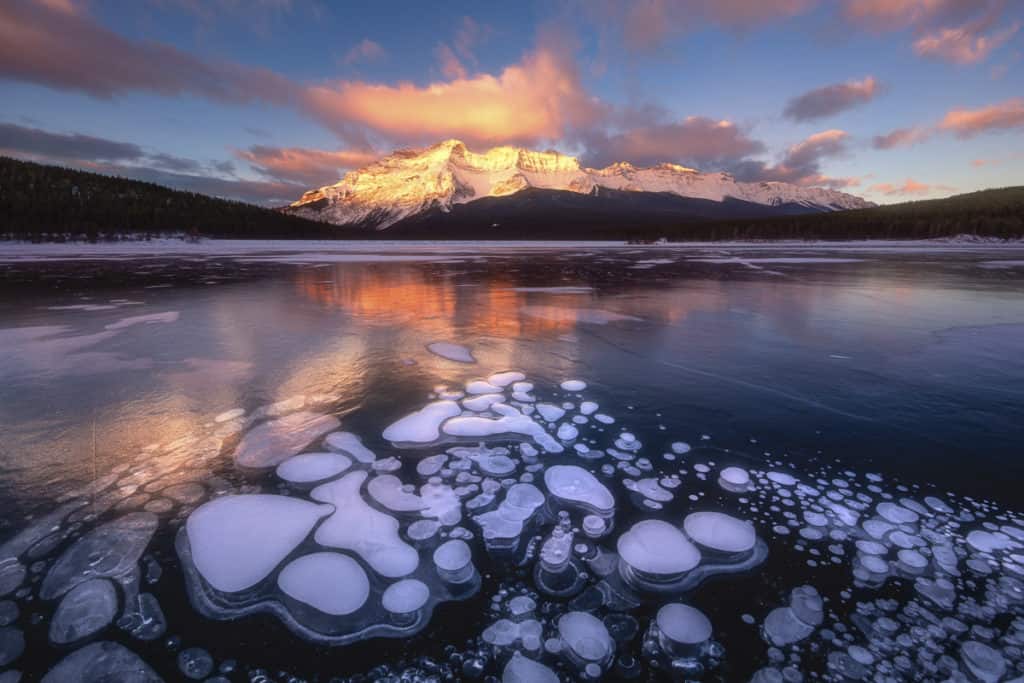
(964, 44)
(901, 137)
(311, 167)
(967, 123)
(695, 140)
(890, 15)
(451, 65)
(832, 99)
(365, 50)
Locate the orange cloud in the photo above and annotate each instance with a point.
(311, 167)
(911, 187)
(536, 99)
(966, 123)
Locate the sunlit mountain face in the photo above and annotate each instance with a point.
(409, 183)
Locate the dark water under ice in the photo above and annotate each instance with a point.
(883, 373)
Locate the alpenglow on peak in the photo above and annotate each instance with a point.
(410, 182)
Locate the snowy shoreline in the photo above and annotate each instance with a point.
(407, 250)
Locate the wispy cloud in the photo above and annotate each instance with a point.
(967, 123)
(901, 137)
(911, 188)
(964, 44)
(832, 99)
(365, 50)
(801, 163)
(310, 167)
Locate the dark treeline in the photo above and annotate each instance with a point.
(50, 202)
(988, 213)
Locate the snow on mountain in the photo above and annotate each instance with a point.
(410, 182)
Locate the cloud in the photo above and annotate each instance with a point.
(964, 44)
(802, 162)
(646, 25)
(696, 140)
(997, 161)
(309, 167)
(539, 98)
(832, 99)
(269, 193)
(894, 15)
(911, 187)
(33, 142)
(59, 46)
(452, 58)
(965, 123)
(365, 50)
(901, 137)
(451, 65)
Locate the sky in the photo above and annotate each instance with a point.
(891, 100)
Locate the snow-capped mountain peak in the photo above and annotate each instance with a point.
(410, 182)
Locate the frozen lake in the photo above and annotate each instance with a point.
(594, 461)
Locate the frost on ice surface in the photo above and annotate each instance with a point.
(307, 468)
(271, 443)
(656, 548)
(237, 541)
(331, 582)
(719, 531)
(423, 426)
(356, 526)
(450, 351)
(576, 486)
(103, 662)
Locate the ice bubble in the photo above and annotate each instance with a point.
(503, 379)
(782, 627)
(734, 479)
(550, 412)
(896, 514)
(505, 524)
(358, 527)
(387, 490)
(480, 386)
(983, 662)
(450, 351)
(720, 532)
(237, 541)
(649, 488)
(987, 541)
(424, 425)
(566, 432)
(604, 419)
(351, 445)
(12, 575)
(195, 663)
(588, 407)
(680, 448)
(273, 442)
(405, 596)
(84, 611)
(573, 385)
(454, 561)
(476, 427)
(585, 636)
(657, 548)
(331, 582)
(422, 529)
(912, 561)
(483, 402)
(681, 628)
(522, 669)
(307, 468)
(938, 505)
(102, 662)
(594, 526)
(781, 478)
(110, 550)
(575, 485)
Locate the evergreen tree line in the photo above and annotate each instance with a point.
(50, 202)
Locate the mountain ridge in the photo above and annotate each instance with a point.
(412, 182)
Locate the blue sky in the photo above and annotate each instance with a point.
(261, 100)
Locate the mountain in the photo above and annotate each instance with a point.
(410, 184)
(38, 201)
